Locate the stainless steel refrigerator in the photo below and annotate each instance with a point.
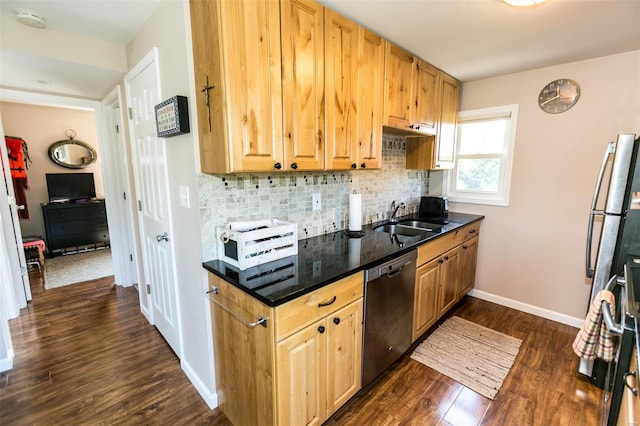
(618, 185)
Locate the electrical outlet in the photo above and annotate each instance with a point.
(316, 201)
(317, 268)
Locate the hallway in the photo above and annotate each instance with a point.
(86, 355)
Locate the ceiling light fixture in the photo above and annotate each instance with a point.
(523, 3)
(30, 19)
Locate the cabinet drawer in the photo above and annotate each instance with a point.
(469, 232)
(299, 313)
(435, 248)
(76, 214)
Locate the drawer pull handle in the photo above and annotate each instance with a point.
(162, 237)
(321, 329)
(336, 320)
(321, 304)
(473, 231)
(261, 320)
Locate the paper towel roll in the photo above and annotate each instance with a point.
(355, 212)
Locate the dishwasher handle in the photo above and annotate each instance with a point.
(391, 268)
(394, 272)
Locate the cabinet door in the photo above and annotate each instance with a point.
(341, 84)
(449, 278)
(446, 138)
(425, 302)
(469, 261)
(399, 74)
(302, 83)
(426, 105)
(370, 100)
(344, 355)
(252, 84)
(301, 376)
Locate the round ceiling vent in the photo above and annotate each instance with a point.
(30, 18)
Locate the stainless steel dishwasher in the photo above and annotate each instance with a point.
(388, 314)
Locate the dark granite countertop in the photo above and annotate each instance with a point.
(325, 259)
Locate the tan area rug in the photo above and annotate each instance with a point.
(474, 356)
(76, 268)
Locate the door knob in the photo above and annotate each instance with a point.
(164, 236)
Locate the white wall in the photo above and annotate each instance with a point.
(167, 29)
(533, 251)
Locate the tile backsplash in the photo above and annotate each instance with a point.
(288, 195)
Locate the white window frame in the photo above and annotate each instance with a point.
(501, 196)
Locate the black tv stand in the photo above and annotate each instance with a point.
(73, 226)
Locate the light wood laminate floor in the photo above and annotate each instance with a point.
(84, 354)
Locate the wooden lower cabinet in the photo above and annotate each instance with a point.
(469, 261)
(298, 372)
(425, 302)
(319, 367)
(449, 279)
(445, 273)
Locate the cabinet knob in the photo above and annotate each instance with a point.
(465, 247)
(354, 165)
(411, 126)
(277, 166)
(417, 127)
(321, 329)
(363, 165)
(446, 258)
(441, 261)
(336, 320)
(294, 166)
(473, 231)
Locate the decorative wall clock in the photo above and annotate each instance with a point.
(559, 96)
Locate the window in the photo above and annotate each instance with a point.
(484, 156)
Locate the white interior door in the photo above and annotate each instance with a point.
(142, 86)
(21, 290)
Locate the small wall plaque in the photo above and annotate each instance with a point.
(172, 117)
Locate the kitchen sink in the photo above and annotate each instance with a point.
(426, 226)
(400, 230)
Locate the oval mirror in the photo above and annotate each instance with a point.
(72, 154)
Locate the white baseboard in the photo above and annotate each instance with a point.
(211, 398)
(6, 364)
(530, 309)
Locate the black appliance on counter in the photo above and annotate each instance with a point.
(434, 209)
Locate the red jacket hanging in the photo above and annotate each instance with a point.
(16, 157)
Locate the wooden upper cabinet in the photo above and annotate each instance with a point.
(446, 135)
(341, 84)
(371, 100)
(411, 92)
(399, 77)
(238, 74)
(425, 114)
(302, 34)
(354, 85)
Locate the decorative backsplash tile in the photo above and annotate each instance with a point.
(287, 195)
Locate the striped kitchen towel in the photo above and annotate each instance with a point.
(593, 339)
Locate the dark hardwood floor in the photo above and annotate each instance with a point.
(86, 355)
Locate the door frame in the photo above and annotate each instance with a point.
(125, 251)
(107, 162)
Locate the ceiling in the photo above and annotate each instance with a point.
(470, 39)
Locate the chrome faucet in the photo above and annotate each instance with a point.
(394, 210)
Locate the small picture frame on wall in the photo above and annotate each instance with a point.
(172, 117)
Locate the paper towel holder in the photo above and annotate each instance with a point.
(354, 234)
